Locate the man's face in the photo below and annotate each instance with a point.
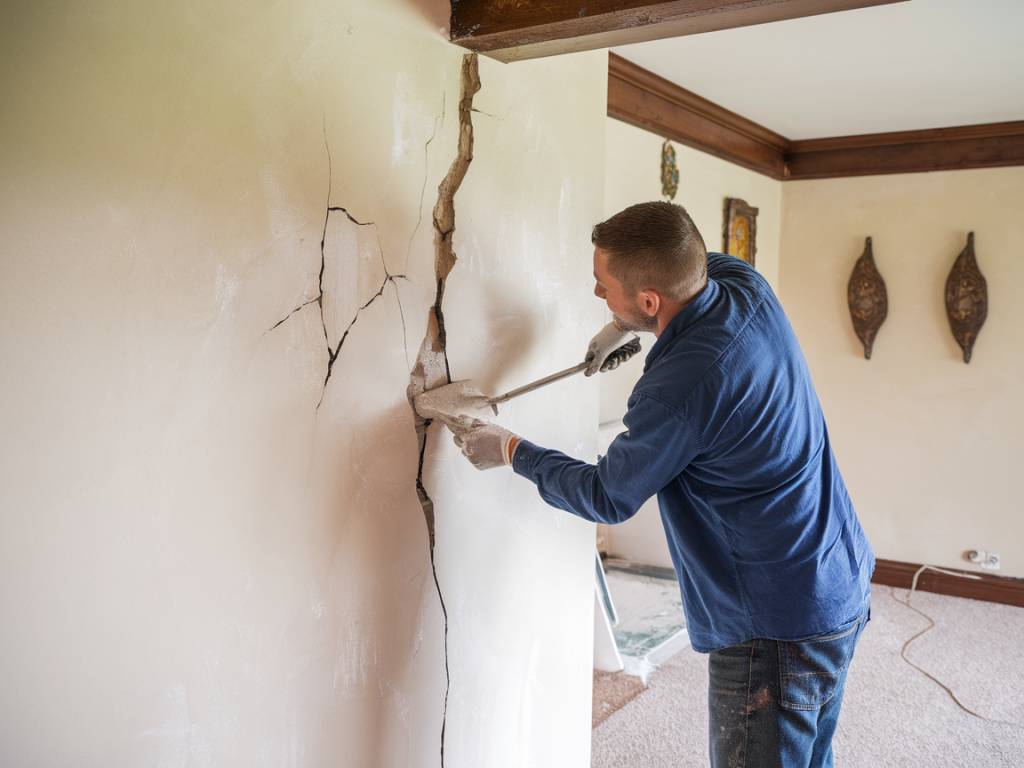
(625, 307)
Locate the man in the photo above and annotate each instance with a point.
(725, 427)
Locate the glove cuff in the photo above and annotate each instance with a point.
(509, 449)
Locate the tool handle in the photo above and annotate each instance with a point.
(537, 384)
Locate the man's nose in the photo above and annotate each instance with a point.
(598, 292)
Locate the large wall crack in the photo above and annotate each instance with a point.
(334, 350)
(431, 368)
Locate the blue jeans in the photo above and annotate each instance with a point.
(776, 702)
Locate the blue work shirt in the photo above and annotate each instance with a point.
(725, 427)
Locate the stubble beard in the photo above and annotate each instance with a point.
(637, 321)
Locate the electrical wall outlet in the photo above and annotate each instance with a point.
(987, 560)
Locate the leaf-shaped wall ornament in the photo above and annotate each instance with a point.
(868, 299)
(966, 298)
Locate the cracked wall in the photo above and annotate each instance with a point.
(215, 550)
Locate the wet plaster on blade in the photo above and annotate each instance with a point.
(334, 351)
(431, 368)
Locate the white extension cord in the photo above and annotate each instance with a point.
(931, 625)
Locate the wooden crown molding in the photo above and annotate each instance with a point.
(641, 98)
(939, 149)
(994, 589)
(529, 29)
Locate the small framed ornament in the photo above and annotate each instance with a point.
(669, 171)
(739, 231)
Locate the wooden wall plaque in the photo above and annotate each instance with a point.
(868, 299)
(966, 298)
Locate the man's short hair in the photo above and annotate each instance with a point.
(654, 245)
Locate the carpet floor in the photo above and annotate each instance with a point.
(612, 691)
(893, 714)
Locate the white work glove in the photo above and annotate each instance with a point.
(472, 399)
(486, 445)
(455, 399)
(608, 340)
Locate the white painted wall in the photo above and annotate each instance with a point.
(197, 566)
(927, 444)
(633, 175)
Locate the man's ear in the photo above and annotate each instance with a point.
(650, 302)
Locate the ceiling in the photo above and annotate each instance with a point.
(918, 64)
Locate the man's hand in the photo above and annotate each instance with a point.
(486, 445)
(608, 340)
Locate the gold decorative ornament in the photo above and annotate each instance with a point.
(739, 231)
(669, 171)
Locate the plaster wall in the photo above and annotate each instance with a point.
(927, 444)
(212, 549)
(633, 175)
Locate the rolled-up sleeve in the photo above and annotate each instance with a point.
(657, 445)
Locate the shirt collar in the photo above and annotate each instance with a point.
(683, 320)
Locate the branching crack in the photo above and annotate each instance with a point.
(432, 368)
(333, 352)
(332, 355)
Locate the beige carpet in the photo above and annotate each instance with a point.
(892, 714)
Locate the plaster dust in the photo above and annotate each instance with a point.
(215, 507)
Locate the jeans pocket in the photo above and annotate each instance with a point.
(811, 671)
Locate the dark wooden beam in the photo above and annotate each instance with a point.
(994, 589)
(939, 149)
(641, 98)
(510, 30)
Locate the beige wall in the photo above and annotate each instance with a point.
(198, 567)
(633, 175)
(927, 444)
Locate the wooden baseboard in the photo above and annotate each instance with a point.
(994, 589)
(657, 571)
